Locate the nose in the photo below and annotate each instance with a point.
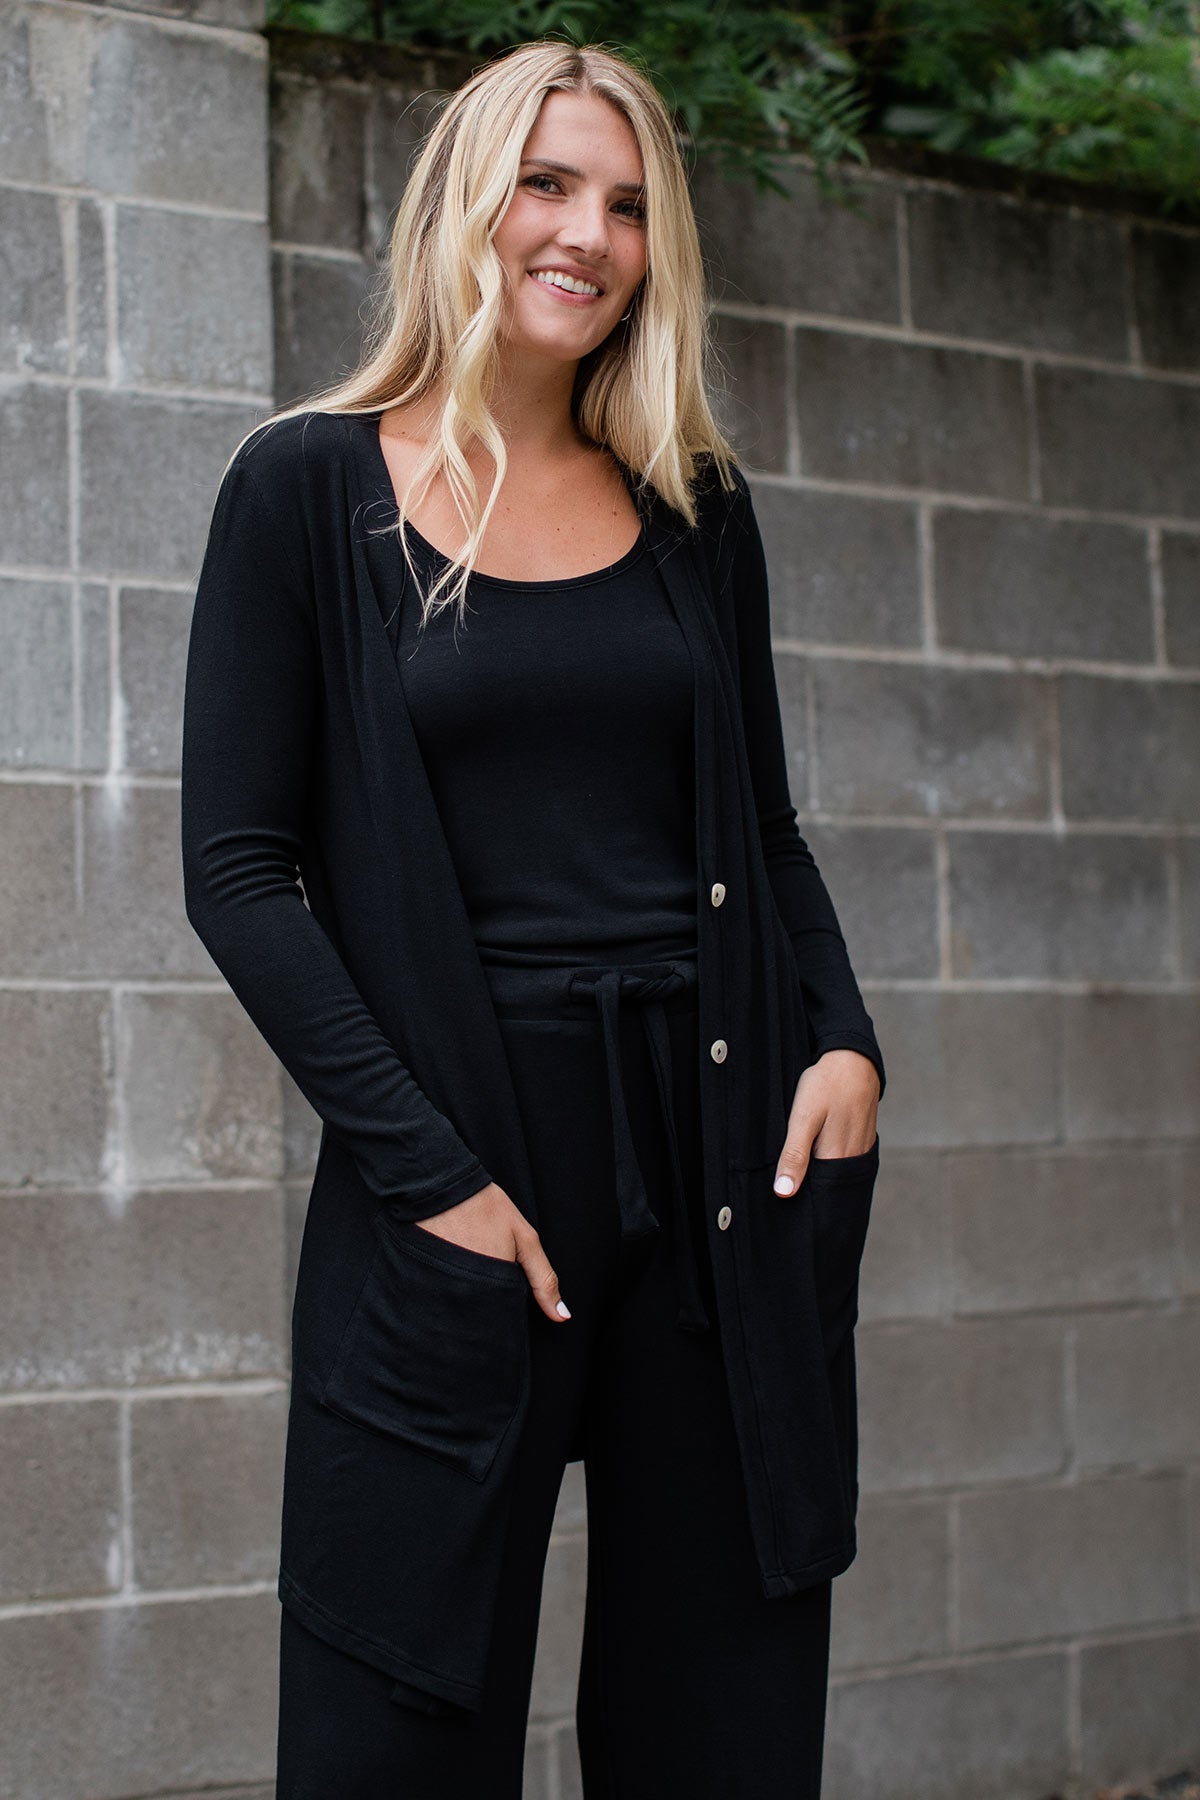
(586, 226)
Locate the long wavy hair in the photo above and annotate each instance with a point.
(642, 394)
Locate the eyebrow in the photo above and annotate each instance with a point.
(544, 162)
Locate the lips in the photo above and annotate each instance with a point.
(571, 274)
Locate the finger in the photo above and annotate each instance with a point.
(542, 1279)
(793, 1161)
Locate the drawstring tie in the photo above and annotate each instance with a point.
(648, 991)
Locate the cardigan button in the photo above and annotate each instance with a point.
(717, 892)
(723, 1218)
(719, 1050)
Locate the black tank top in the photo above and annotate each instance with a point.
(556, 727)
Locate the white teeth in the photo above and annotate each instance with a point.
(554, 278)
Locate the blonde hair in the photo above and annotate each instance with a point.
(641, 394)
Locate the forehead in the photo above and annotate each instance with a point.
(587, 133)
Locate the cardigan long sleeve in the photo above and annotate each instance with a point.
(832, 998)
(251, 709)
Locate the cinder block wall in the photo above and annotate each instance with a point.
(970, 425)
(143, 1133)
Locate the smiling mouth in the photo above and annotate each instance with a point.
(560, 292)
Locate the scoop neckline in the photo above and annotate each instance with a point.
(477, 577)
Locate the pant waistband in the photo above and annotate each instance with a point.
(654, 990)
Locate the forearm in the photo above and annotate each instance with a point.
(251, 712)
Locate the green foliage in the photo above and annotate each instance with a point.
(1104, 90)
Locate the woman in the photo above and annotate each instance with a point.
(481, 649)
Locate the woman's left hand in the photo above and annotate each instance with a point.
(832, 1115)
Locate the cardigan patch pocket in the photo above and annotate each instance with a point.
(436, 1350)
(841, 1189)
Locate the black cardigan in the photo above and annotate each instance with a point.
(301, 766)
(251, 715)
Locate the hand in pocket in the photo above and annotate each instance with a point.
(490, 1224)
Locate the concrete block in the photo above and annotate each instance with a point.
(153, 637)
(891, 1604)
(959, 1401)
(147, 86)
(791, 680)
(235, 15)
(985, 1730)
(1063, 1227)
(801, 250)
(1140, 1704)
(94, 99)
(537, 1782)
(38, 919)
(131, 846)
(33, 295)
(1189, 1219)
(44, 53)
(1018, 585)
(318, 173)
(149, 473)
(60, 1523)
(200, 1090)
(1166, 281)
(207, 1477)
(398, 118)
(317, 308)
(37, 724)
(749, 408)
(1117, 443)
(968, 1068)
(54, 1100)
(193, 300)
(1130, 749)
(861, 862)
(571, 1512)
(1136, 1379)
(33, 474)
(998, 267)
(913, 415)
(843, 569)
(565, 1747)
(931, 741)
(91, 289)
(94, 748)
(560, 1630)
(1187, 854)
(1063, 1559)
(1131, 1066)
(137, 1699)
(905, 1270)
(180, 1285)
(1181, 597)
(1067, 906)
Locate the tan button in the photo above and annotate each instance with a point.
(723, 1218)
(719, 1051)
(717, 893)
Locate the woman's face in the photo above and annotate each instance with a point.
(578, 209)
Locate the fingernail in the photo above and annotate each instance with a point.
(784, 1184)
(561, 1309)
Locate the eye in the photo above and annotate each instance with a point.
(632, 209)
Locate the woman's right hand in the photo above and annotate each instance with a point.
(492, 1224)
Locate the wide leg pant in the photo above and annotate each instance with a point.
(691, 1682)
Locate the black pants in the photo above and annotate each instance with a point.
(691, 1683)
